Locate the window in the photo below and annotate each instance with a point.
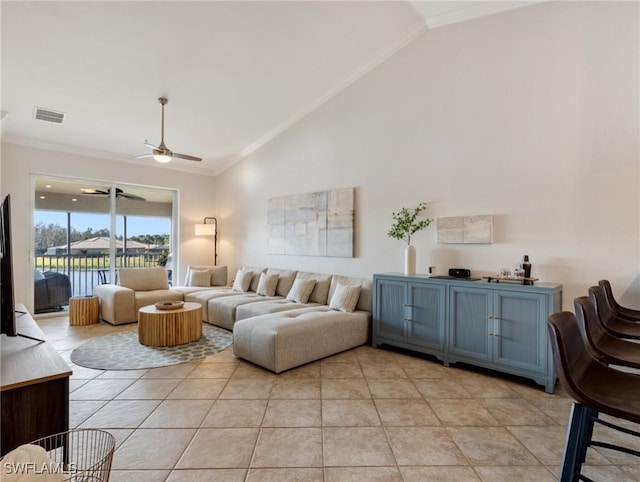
(86, 230)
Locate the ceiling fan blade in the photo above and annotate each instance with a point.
(144, 156)
(188, 158)
(150, 146)
(133, 197)
(94, 191)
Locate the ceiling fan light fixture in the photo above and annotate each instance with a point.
(162, 157)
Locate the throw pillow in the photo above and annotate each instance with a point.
(199, 277)
(345, 298)
(267, 284)
(218, 276)
(301, 290)
(242, 281)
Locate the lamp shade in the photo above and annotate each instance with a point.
(205, 229)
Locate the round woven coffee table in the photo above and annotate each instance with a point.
(169, 327)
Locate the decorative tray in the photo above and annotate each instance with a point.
(169, 305)
(522, 281)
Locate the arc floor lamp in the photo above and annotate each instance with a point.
(210, 229)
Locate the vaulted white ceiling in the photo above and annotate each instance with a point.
(236, 73)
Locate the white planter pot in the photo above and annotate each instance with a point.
(410, 260)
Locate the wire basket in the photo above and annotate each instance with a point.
(82, 455)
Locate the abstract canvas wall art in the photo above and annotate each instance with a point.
(465, 230)
(312, 224)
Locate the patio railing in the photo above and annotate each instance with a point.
(86, 271)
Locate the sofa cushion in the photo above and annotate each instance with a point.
(301, 290)
(144, 298)
(256, 276)
(286, 278)
(242, 281)
(143, 279)
(364, 301)
(218, 274)
(203, 296)
(222, 311)
(267, 284)
(250, 310)
(345, 298)
(320, 291)
(199, 277)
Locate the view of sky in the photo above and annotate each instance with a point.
(136, 225)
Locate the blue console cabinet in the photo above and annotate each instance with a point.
(494, 325)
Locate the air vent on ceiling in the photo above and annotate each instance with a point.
(49, 115)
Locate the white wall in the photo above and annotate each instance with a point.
(531, 115)
(196, 200)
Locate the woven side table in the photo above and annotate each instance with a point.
(84, 310)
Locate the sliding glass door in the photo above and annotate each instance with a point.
(85, 230)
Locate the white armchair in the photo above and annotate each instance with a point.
(137, 287)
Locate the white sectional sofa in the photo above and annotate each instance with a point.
(279, 333)
(277, 324)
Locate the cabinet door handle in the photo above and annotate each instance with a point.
(494, 334)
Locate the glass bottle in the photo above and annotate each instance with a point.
(526, 266)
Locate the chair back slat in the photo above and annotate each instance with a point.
(629, 314)
(608, 294)
(602, 308)
(590, 326)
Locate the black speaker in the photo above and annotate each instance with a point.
(459, 273)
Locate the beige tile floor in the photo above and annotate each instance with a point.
(363, 415)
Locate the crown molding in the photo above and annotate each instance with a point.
(464, 11)
(104, 155)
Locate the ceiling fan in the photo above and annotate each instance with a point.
(161, 153)
(107, 192)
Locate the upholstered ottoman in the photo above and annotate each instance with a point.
(285, 340)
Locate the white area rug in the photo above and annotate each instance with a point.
(122, 351)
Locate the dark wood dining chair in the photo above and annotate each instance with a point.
(613, 324)
(600, 344)
(619, 310)
(596, 388)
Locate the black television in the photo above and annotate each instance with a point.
(7, 299)
(8, 313)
